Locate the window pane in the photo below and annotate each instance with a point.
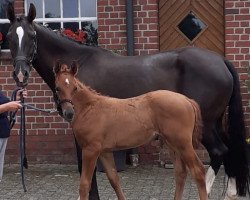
(191, 26)
(88, 8)
(70, 8)
(3, 6)
(39, 7)
(4, 30)
(54, 25)
(74, 26)
(52, 9)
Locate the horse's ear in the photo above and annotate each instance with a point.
(32, 13)
(74, 67)
(57, 67)
(11, 12)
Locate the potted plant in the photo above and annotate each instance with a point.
(79, 35)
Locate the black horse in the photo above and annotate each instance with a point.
(200, 74)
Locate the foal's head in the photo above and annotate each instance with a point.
(66, 87)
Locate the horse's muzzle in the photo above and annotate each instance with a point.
(21, 78)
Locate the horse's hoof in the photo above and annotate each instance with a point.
(231, 197)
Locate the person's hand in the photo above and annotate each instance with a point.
(23, 91)
(13, 105)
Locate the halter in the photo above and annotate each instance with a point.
(60, 102)
(32, 57)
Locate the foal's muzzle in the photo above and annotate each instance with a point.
(68, 114)
(67, 110)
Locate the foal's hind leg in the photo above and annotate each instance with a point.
(180, 172)
(196, 168)
(108, 163)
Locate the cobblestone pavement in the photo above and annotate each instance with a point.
(60, 182)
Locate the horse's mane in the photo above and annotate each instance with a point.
(85, 87)
(57, 33)
(60, 35)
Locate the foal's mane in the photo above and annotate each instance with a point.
(85, 87)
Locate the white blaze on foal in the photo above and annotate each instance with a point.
(20, 33)
(67, 81)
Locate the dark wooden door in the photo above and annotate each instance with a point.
(192, 22)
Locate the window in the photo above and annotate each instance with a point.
(70, 14)
(56, 14)
(191, 26)
(4, 23)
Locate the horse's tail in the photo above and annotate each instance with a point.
(197, 132)
(235, 160)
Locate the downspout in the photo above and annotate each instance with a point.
(130, 27)
(132, 153)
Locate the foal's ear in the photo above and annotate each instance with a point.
(57, 67)
(11, 12)
(32, 13)
(74, 67)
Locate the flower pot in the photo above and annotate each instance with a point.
(120, 161)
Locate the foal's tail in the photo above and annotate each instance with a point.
(197, 132)
(235, 160)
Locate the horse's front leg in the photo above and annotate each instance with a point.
(91, 153)
(108, 163)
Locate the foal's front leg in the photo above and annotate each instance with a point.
(89, 159)
(108, 163)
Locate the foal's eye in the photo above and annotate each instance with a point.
(57, 89)
(75, 89)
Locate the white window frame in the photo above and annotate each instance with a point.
(61, 19)
(4, 21)
(78, 19)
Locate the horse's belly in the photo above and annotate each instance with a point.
(128, 134)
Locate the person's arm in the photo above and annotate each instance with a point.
(10, 106)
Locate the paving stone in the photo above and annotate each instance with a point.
(60, 182)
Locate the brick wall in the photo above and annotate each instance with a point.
(112, 26)
(237, 46)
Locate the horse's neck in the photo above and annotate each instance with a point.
(52, 47)
(84, 98)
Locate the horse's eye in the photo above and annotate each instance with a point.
(8, 36)
(75, 89)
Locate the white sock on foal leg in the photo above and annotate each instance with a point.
(210, 176)
(231, 193)
(78, 198)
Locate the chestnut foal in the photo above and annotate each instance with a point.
(103, 124)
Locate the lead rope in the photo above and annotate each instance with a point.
(22, 144)
(22, 131)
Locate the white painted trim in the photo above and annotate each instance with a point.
(82, 19)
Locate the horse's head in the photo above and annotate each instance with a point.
(22, 43)
(66, 86)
